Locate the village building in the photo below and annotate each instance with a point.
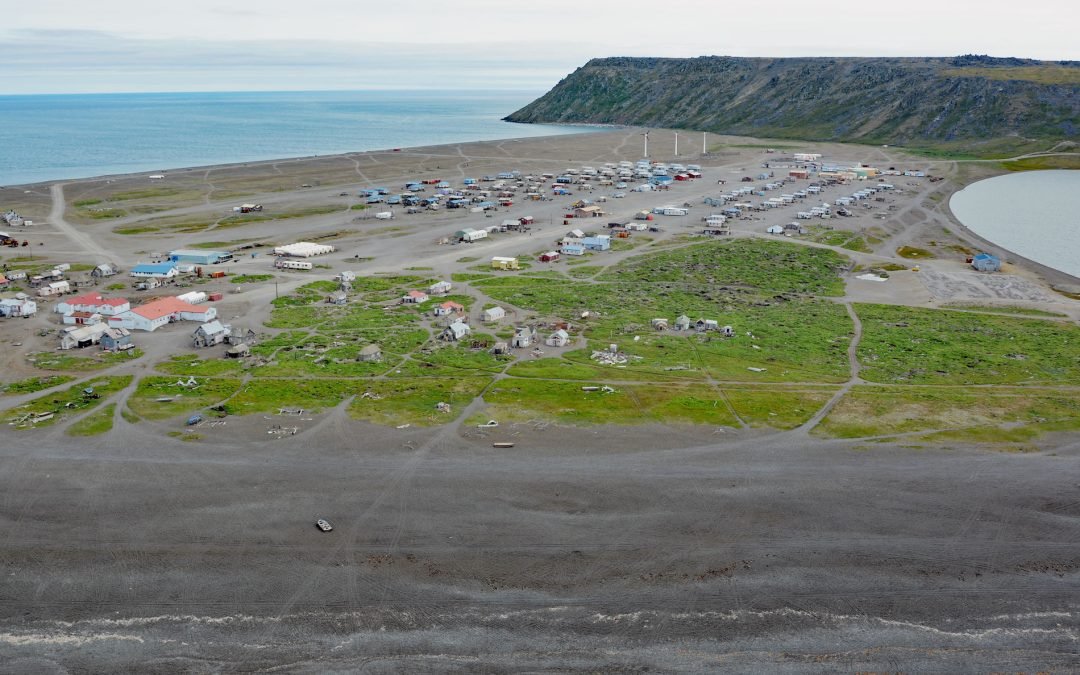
(600, 242)
(440, 288)
(370, 354)
(116, 339)
(303, 249)
(22, 307)
(559, 338)
(337, 298)
(500, 349)
(159, 312)
(682, 322)
(572, 249)
(591, 211)
(82, 318)
(493, 314)
(238, 351)
(198, 257)
(660, 324)
(54, 288)
(82, 336)
(210, 333)
(415, 298)
(550, 256)
(165, 270)
(93, 302)
(984, 262)
(523, 337)
(449, 308)
(103, 270)
(458, 330)
(504, 263)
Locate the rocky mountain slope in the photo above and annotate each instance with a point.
(962, 102)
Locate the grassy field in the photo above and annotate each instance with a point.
(158, 397)
(68, 361)
(96, 423)
(34, 384)
(1071, 161)
(1001, 414)
(905, 345)
(71, 401)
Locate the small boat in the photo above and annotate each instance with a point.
(503, 444)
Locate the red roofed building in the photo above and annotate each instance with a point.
(449, 307)
(93, 303)
(415, 297)
(157, 313)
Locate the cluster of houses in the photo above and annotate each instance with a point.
(684, 323)
(11, 217)
(92, 318)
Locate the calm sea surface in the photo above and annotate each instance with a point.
(52, 137)
(1035, 214)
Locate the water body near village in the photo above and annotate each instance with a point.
(55, 137)
(1034, 214)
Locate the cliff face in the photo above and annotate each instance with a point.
(909, 101)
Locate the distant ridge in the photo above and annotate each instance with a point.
(974, 103)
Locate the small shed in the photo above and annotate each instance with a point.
(116, 339)
(550, 256)
(660, 324)
(455, 331)
(370, 354)
(237, 351)
(523, 337)
(503, 263)
(415, 297)
(559, 338)
(500, 348)
(337, 298)
(682, 322)
(440, 288)
(103, 270)
(493, 314)
(984, 262)
(210, 333)
(449, 307)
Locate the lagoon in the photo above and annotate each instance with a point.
(1034, 214)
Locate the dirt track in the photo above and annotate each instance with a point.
(699, 551)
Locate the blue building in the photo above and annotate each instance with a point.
(200, 257)
(598, 243)
(661, 180)
(984, 262)
(154, 270)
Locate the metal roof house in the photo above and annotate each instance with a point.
(210, 333)
(455, 331)
(493, 314)
(116, 339)
(165, 270)
(559, 338)
(984, 262)
(200, 257)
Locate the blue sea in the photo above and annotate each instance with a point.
(53, 137)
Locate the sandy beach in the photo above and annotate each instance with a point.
(663, 547)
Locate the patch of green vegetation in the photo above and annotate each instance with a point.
(69, 362)
(926, 346)
(191, 365)
(268, 396)
(136, 229)
(224, 245)
(468, 259)
(63, 404)
(522, 400)
(891, 267)
(162, 397)
(1001, 414)
(768, 266)
(412, 401)
(585, 271)
(1042, 74)
(86, 202)
(247, 218)
(34, 384)
(186, 435)
(94, 424)
(146, 193)
(102, 214)
(775, 407)
(250, 278)
(116, 287)
(1005, 309)
(358, 207)
(464, 277)
(419, 269)
(914, 253)
(130, 417)
(1043, 163)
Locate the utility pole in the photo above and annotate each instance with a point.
(676, 143)
(704, 145)
(646, 135)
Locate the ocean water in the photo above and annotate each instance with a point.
(1035, 214)
(52, 137)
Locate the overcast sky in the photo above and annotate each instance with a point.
(199, 45)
